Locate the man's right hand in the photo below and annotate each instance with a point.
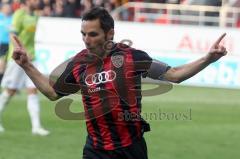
(19, 52)
(41, 82)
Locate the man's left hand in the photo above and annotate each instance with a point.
(216, 51)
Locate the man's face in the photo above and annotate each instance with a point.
(94, 37)
(6, 9)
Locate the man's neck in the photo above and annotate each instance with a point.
(28, 10)
(100, 53)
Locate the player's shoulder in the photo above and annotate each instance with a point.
(137, 54)
(140, 55)
(127, 48)
(19, 12)
(82, 53)
(84, 57)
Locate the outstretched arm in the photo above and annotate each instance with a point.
(181, 73)
(40, 81)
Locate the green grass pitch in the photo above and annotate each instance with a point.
(186, 123)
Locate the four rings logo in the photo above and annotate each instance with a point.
(102, 77)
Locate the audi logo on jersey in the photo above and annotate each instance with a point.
(102, 77)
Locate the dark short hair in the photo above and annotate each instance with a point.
(106, 20)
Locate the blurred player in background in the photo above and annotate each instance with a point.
(24, 26)
(109, 86)
(5, 22)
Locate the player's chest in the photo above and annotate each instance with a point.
(29, 23)
(108, 75)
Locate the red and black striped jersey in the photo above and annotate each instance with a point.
(111, 94)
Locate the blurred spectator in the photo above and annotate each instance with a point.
(86, 5)
(76, 8)
(16, 4)
(69, 9)
(46, 7)
(47, 11)
(99, 3)
(108, 6)
(58, 8)
(44, 3)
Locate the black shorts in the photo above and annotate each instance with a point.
(138, 150)
(3, 49)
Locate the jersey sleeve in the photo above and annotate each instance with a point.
(157, 70)
(66, 83)
(149, 67)
(16, 26)
(142, 62)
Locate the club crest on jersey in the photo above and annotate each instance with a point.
(117, 60)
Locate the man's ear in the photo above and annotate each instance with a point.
(110, 34)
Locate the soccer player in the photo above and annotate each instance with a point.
(5, 18)
(109, 77)
(23, 25)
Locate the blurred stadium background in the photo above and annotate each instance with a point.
(198, 119)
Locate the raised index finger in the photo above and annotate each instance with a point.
(220, 39)
(16, 42)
